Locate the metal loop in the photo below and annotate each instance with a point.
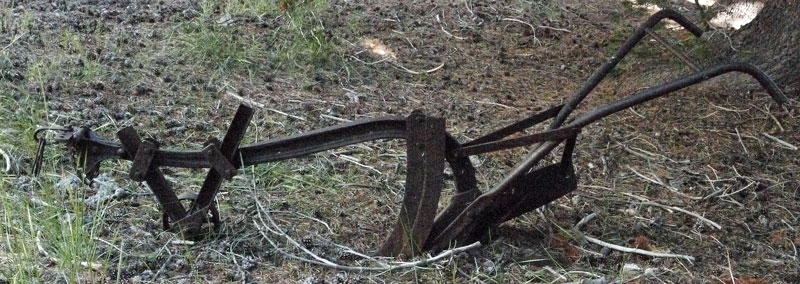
(36, 134)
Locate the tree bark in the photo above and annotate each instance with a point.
(772, 42)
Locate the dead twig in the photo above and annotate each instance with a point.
(584, 221)
(268, 226)
(246, 101)
(784, 143)
(286, 114)
(434, 69)
(657, 181)
(687, 212)
(637, 251)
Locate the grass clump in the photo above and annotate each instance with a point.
(46, 233)
(289, 36)
(223, 47)
(42, 226)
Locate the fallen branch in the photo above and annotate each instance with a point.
(268, 225)
(434, 69)
(246, 101)
(637, 251)
(784, 143)
(584, 221)
(690, 213)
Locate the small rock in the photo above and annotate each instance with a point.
(190, 13)
(147, 274)
(68, 183)
(631, 267)
(605, 251)
(339, 278)
(601, 280)
(23, 183)
(180, 263)
(199, 265)
(107, 189)
(249, 263)
(310, 280)
(489, 267)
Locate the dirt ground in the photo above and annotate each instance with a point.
(721, 150)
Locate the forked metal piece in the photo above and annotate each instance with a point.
(470, 213)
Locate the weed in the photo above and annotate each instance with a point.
(299, 43)
(43, 223)
(223, 47)
(550, 10)
(253, 8)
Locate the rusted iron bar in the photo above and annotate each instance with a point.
(626, 47)
(516, 127)
(463, 228)
(210, 187)
(213, 212)
(142, 160)
(154, 177)
(664, 89)
(269, 151)
(219, 162)
(494, 146)
(425, 157)
(466, 188)
(535, 156)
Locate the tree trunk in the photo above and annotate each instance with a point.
(772, 42)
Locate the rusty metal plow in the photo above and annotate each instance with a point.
(470, 213)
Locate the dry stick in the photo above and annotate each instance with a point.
(589, 217)
(739, 136)
(355, 161)
(339, 119)
(737, 191)
(496, 104)
(434, 69)
(286, 114)
(661, 183)
(246, 101)
(403, 265)
(468, 8)
(669, 47)
(637, 251)
(784, 143)
(276, 230)
(351, 251)
(311, 218)
(771, 116)
(701, 218)
(326, 263)
(533, 30)
(549, 269)
(584, 221)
